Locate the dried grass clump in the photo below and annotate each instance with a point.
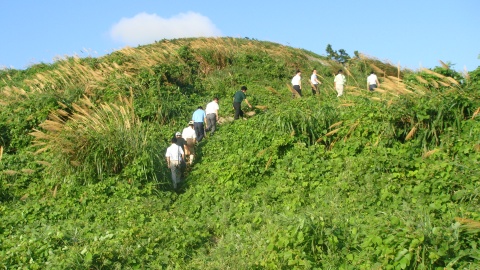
(332, 132)
(27, 171)
(444, 84)
(262, 152)
(420, 79)
(429, 153)
(431, 72)
(445, 66)
(476, 113)
(452, 81)
(469, 224)
(271, 89)
(377, 69)
(352, 128)
(335, 124)
(10, 94)
(269, 162)
(395, 86)
(465, 73)
(411, 133)
(10, 172)
(434, 83)
(44, 163)
(380, 90)
(477, 147)
(261, 107)
(443, 80)
(390, 103)
(295, 93)
(420, 89)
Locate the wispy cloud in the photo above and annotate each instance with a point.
(146, 28)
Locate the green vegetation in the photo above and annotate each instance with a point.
(382, 180)
(341, 56)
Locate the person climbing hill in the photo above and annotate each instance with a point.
(175, 156)
(339, 82)
(198, 119)
(372, 82)
(315, 82)
(180, 141)
(297, 83)
(189, 135)
(237, 102)
(212, 115)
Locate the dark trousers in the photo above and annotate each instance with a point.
(211, 123)
(314, 89)
(199, 130)
(238, 110)
(297, 88)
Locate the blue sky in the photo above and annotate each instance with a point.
(412, 33)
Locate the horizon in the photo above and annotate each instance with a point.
(413, 38)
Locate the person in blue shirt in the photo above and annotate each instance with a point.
(198, 118)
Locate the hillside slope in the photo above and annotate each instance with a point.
(382, 180)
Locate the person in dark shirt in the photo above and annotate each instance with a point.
(180, 141)
(237, 102)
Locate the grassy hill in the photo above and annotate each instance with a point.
(382, 180)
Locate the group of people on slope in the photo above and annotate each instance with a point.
(297, 82)
(338, 82)
(183, 144)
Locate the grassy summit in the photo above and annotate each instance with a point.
(382, 180)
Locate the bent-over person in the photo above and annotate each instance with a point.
(189, 135)
(237, 102)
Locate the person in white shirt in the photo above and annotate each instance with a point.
(315, 82)
(212, 115)
(189, 135)
(297, 83)
(175, 157)
(372, 82)
(338, 82)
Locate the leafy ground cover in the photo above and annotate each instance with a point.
(383, 180)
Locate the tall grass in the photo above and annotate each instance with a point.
(306, 119)
(93, 139)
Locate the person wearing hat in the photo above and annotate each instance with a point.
(338, 82)
(237, 102)
(199, 118)
(188, 134)
(175, 156)
(297, 83)
(212, 115)
(180, 141)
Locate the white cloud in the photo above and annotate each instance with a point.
(146, 28)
